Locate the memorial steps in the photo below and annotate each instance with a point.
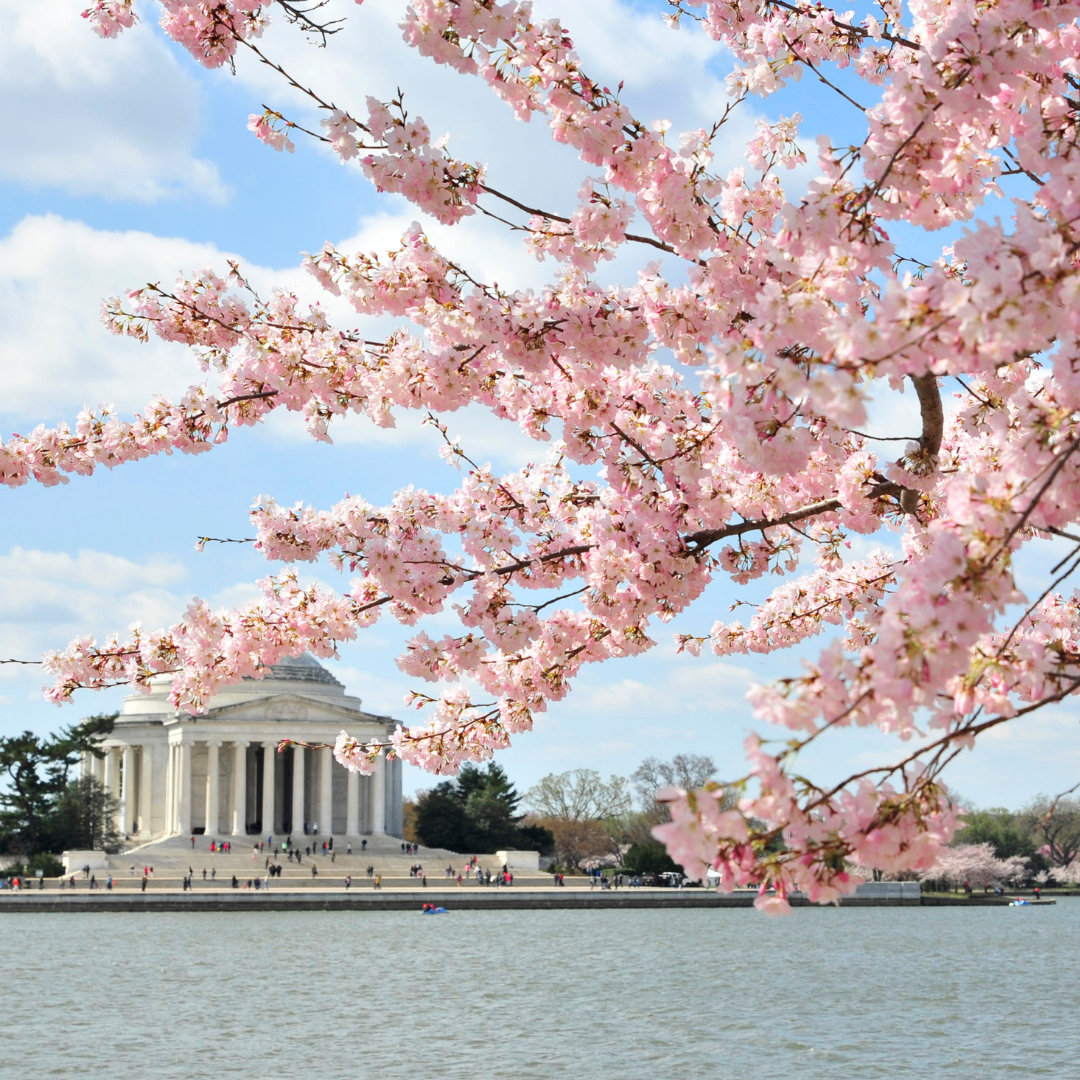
(172, 857)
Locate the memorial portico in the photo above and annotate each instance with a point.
(220, 773)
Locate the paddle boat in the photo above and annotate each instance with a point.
(431, 909)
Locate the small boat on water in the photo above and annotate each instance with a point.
(431, 909)
(1021, 902)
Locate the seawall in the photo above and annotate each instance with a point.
(367, 899)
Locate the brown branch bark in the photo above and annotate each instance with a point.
(933, 426)
(933, 416)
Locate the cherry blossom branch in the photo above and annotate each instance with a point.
(698, 541)
(858, 31)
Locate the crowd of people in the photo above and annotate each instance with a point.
(284, 851)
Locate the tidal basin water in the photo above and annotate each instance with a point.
(729, 994)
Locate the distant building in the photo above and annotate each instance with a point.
(220, 774)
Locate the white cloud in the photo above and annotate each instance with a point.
(700, 689)
(617, 42)
(235, 596)
(54, 273)
(484, 437)
(49, 597)
(112, 118)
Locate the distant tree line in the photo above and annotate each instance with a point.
(579, 819)
(1046, 833)
(576, 818)
(42, 807)
(609, 823)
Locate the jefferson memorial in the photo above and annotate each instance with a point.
(220, 773)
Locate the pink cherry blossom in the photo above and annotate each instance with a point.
(707, 417)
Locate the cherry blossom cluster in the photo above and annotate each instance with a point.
(706, 418)
(975, 865)
(108, 18)
(209, 29)
(821, 833)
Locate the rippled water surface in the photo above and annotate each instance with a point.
(854, 994)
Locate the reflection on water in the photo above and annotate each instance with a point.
(827, 994)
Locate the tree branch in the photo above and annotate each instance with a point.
(701, 540)
(933, 416)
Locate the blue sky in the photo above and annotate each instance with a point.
(126, 162)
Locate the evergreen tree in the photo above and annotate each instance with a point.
(442, 821)
(84, 816)
(34, 771)
(650, 857)
(476, 813)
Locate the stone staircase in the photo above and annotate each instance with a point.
(171, 859)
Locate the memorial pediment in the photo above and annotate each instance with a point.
(292, 706)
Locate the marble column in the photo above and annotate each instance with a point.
(174, 786)
(352, 803)
(170, 763)
(146, 791)
(127, 791)
(298, 790)
(239, 789)
(397, 826)
(326, 793)
(378, 796)
(269, 756)
(213, 808)
(183, 794)
(110, 771)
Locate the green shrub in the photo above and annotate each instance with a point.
(49, 864)
(650, 857)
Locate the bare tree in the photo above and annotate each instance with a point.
(1055, 826)
(686, 771)
(585, 815)
(579, 841)
(579, 795)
